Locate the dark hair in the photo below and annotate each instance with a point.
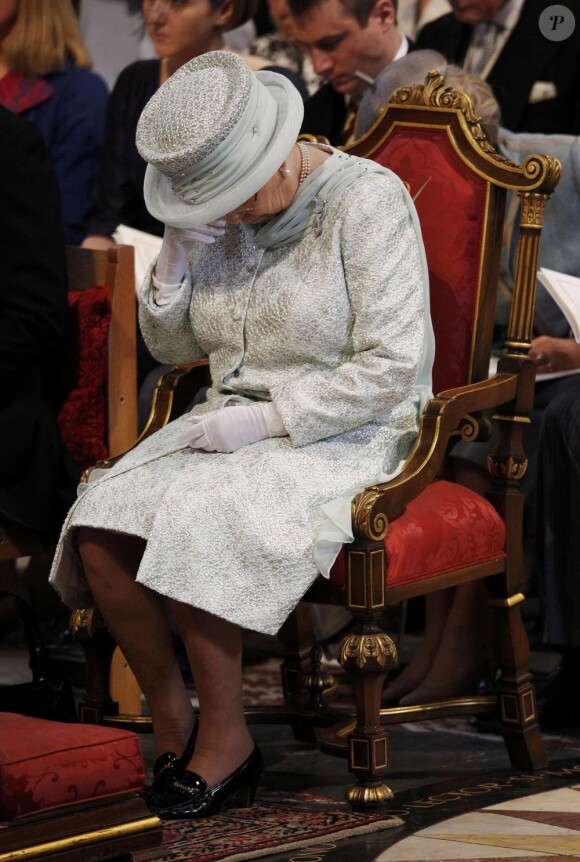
(359, 9)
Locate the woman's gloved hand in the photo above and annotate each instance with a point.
(233, 427)
(171, 264)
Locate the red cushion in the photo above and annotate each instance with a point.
(83, 417)
(48, 764)
(447, 527)
(451, 210)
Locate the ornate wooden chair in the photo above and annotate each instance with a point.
(422, 532)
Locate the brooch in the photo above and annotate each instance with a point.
(319, 206)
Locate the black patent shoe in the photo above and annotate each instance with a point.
(187, 795)
(168, 764)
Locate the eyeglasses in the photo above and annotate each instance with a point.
(244, 208)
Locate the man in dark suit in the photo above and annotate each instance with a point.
(37, 475)
(350, 42)
(535, 79)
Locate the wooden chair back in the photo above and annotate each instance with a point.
(113, 269)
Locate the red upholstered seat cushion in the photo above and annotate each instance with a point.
(48, 764)
(82, 419)
(446, 528)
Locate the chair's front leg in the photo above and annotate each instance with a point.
(517, 700)
(368, 654)
(98, 646)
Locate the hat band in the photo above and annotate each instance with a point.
(235, 156)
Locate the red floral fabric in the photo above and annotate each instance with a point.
(450, 203)
(48, 764)
(83, 417)
(20, 92)
(447, 527)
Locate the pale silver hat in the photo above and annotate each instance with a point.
(410, 69)
(213, 134)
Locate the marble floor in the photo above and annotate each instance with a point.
(543, 825)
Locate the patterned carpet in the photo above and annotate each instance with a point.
(276, 822)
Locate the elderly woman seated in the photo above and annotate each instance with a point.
(300, 272)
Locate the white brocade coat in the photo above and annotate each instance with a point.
(331, 328)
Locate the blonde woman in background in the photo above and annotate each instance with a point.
(45, 77)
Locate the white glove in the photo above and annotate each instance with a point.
(233, 427)
(171, 264)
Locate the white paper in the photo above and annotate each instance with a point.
(147, 247)
(540, 376)
(565, 291)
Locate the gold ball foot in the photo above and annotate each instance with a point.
(371, 796)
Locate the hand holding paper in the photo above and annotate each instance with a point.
(555, 356)
(565, 291)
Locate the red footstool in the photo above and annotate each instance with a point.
(70, 792)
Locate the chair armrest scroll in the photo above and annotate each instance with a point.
(444, 415)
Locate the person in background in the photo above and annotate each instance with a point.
(45, 77)
(409, 70)
(535, 79)
(412, 15)
(349, 42)
(38, 477)
(455, 652)
(280, 46)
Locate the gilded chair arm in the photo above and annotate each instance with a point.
(443, 416)
(174, 390)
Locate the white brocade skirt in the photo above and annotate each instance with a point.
(239, 535)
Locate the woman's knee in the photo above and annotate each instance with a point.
(103, 550)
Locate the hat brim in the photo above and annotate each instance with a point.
(170, 209)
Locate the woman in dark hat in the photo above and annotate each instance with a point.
(300, 272)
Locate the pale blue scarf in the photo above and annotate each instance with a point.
(306, 212)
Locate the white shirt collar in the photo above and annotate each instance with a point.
(404, 47)
(509, 15)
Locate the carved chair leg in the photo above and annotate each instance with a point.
(368, 654)
(517, 699)
(297, 641)
(98, 646)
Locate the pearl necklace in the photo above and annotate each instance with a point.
(305, 165)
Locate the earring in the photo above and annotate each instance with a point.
(285, 171)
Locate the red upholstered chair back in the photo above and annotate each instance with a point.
(461, 212)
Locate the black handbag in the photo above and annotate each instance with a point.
(43, 696)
